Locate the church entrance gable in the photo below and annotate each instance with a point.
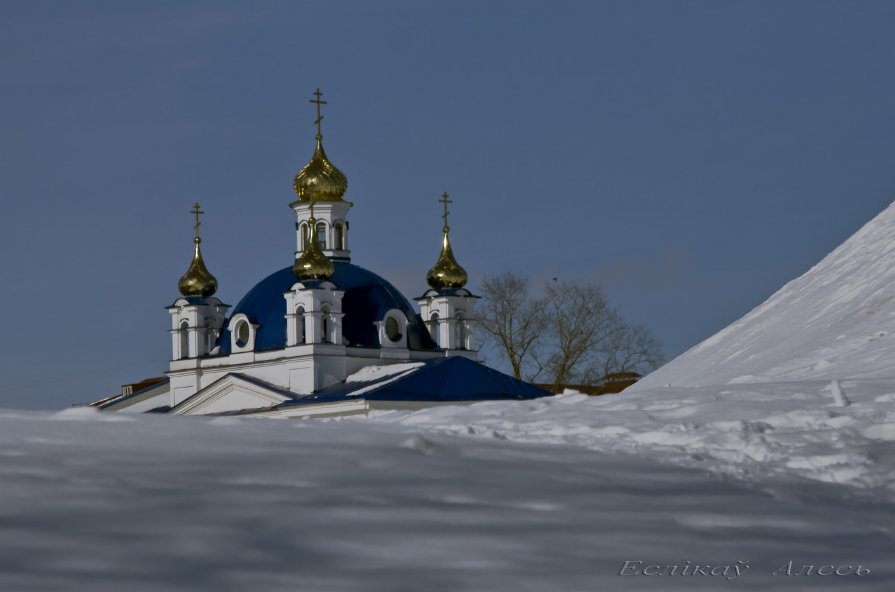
(232, 392)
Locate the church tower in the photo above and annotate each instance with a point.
(322, 185)
(314, 305)
(197, 317)
(448, 309)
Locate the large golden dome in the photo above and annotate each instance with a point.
(320, 180)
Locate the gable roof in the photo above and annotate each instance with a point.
(145, 389)
(233, 391)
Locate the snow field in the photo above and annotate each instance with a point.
(167, 504)
(754, 432)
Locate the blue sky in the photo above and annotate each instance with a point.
(690, 156)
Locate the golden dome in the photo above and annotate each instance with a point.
(320, 180)
(313, 264)
(198, 281)
(446, 273)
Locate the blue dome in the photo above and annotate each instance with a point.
(367, 298)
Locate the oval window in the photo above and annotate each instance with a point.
(242, 334)
(392, 330)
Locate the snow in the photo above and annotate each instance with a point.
(836, 321)
(383, 375)
(752, 432)
(838, 395)
(377, 372)
(175, 504)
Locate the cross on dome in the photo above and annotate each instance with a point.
(197, 281)
(197, 212)
(446, 273)
(445, 201)
(318, 102)
(319, 179)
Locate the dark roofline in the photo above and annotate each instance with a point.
(157, 381)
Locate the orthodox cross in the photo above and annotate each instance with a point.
(317, 95)
(197, 211)
(444, 200)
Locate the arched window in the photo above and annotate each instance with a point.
(461, 331)
(433, 327)
(321, 234)
(210, 337)
(304, 236)
(327, 325)
(300, 325)
(184, 340)
(338, 237)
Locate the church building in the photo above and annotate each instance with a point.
(323, 336)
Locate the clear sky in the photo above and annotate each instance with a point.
(691, 156)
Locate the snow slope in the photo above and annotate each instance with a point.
(835, 321)
(94, 502)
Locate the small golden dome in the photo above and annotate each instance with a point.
(320, 180)
(313, 264)
(446, 273)
(198, 281)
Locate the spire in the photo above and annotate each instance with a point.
(446, 273)
(197, 281)
(313, 264)
(319, 180)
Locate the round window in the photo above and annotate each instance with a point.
(392, 330)
(242, 334)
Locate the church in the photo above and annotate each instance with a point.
(322, 337)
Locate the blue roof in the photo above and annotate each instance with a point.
(367, 298)
(443, 379)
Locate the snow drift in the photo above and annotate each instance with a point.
(835, 321)
(148, 503)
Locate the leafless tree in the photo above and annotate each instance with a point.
(512, 320)
(572, 335)
(630, 349)
(581, 326)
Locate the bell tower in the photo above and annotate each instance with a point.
(448, 309)
(320, 183)
(197, 317)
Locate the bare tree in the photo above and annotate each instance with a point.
(572, 334)
(630, 349)
(581, 326)
(512, 320)
(635, 350)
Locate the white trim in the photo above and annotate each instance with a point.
(244, 394)
(235, 322)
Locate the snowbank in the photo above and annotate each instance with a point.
(173, 504)
(754, 432)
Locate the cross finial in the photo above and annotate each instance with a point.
(196, 211)
(318, 102)
(445, 201)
